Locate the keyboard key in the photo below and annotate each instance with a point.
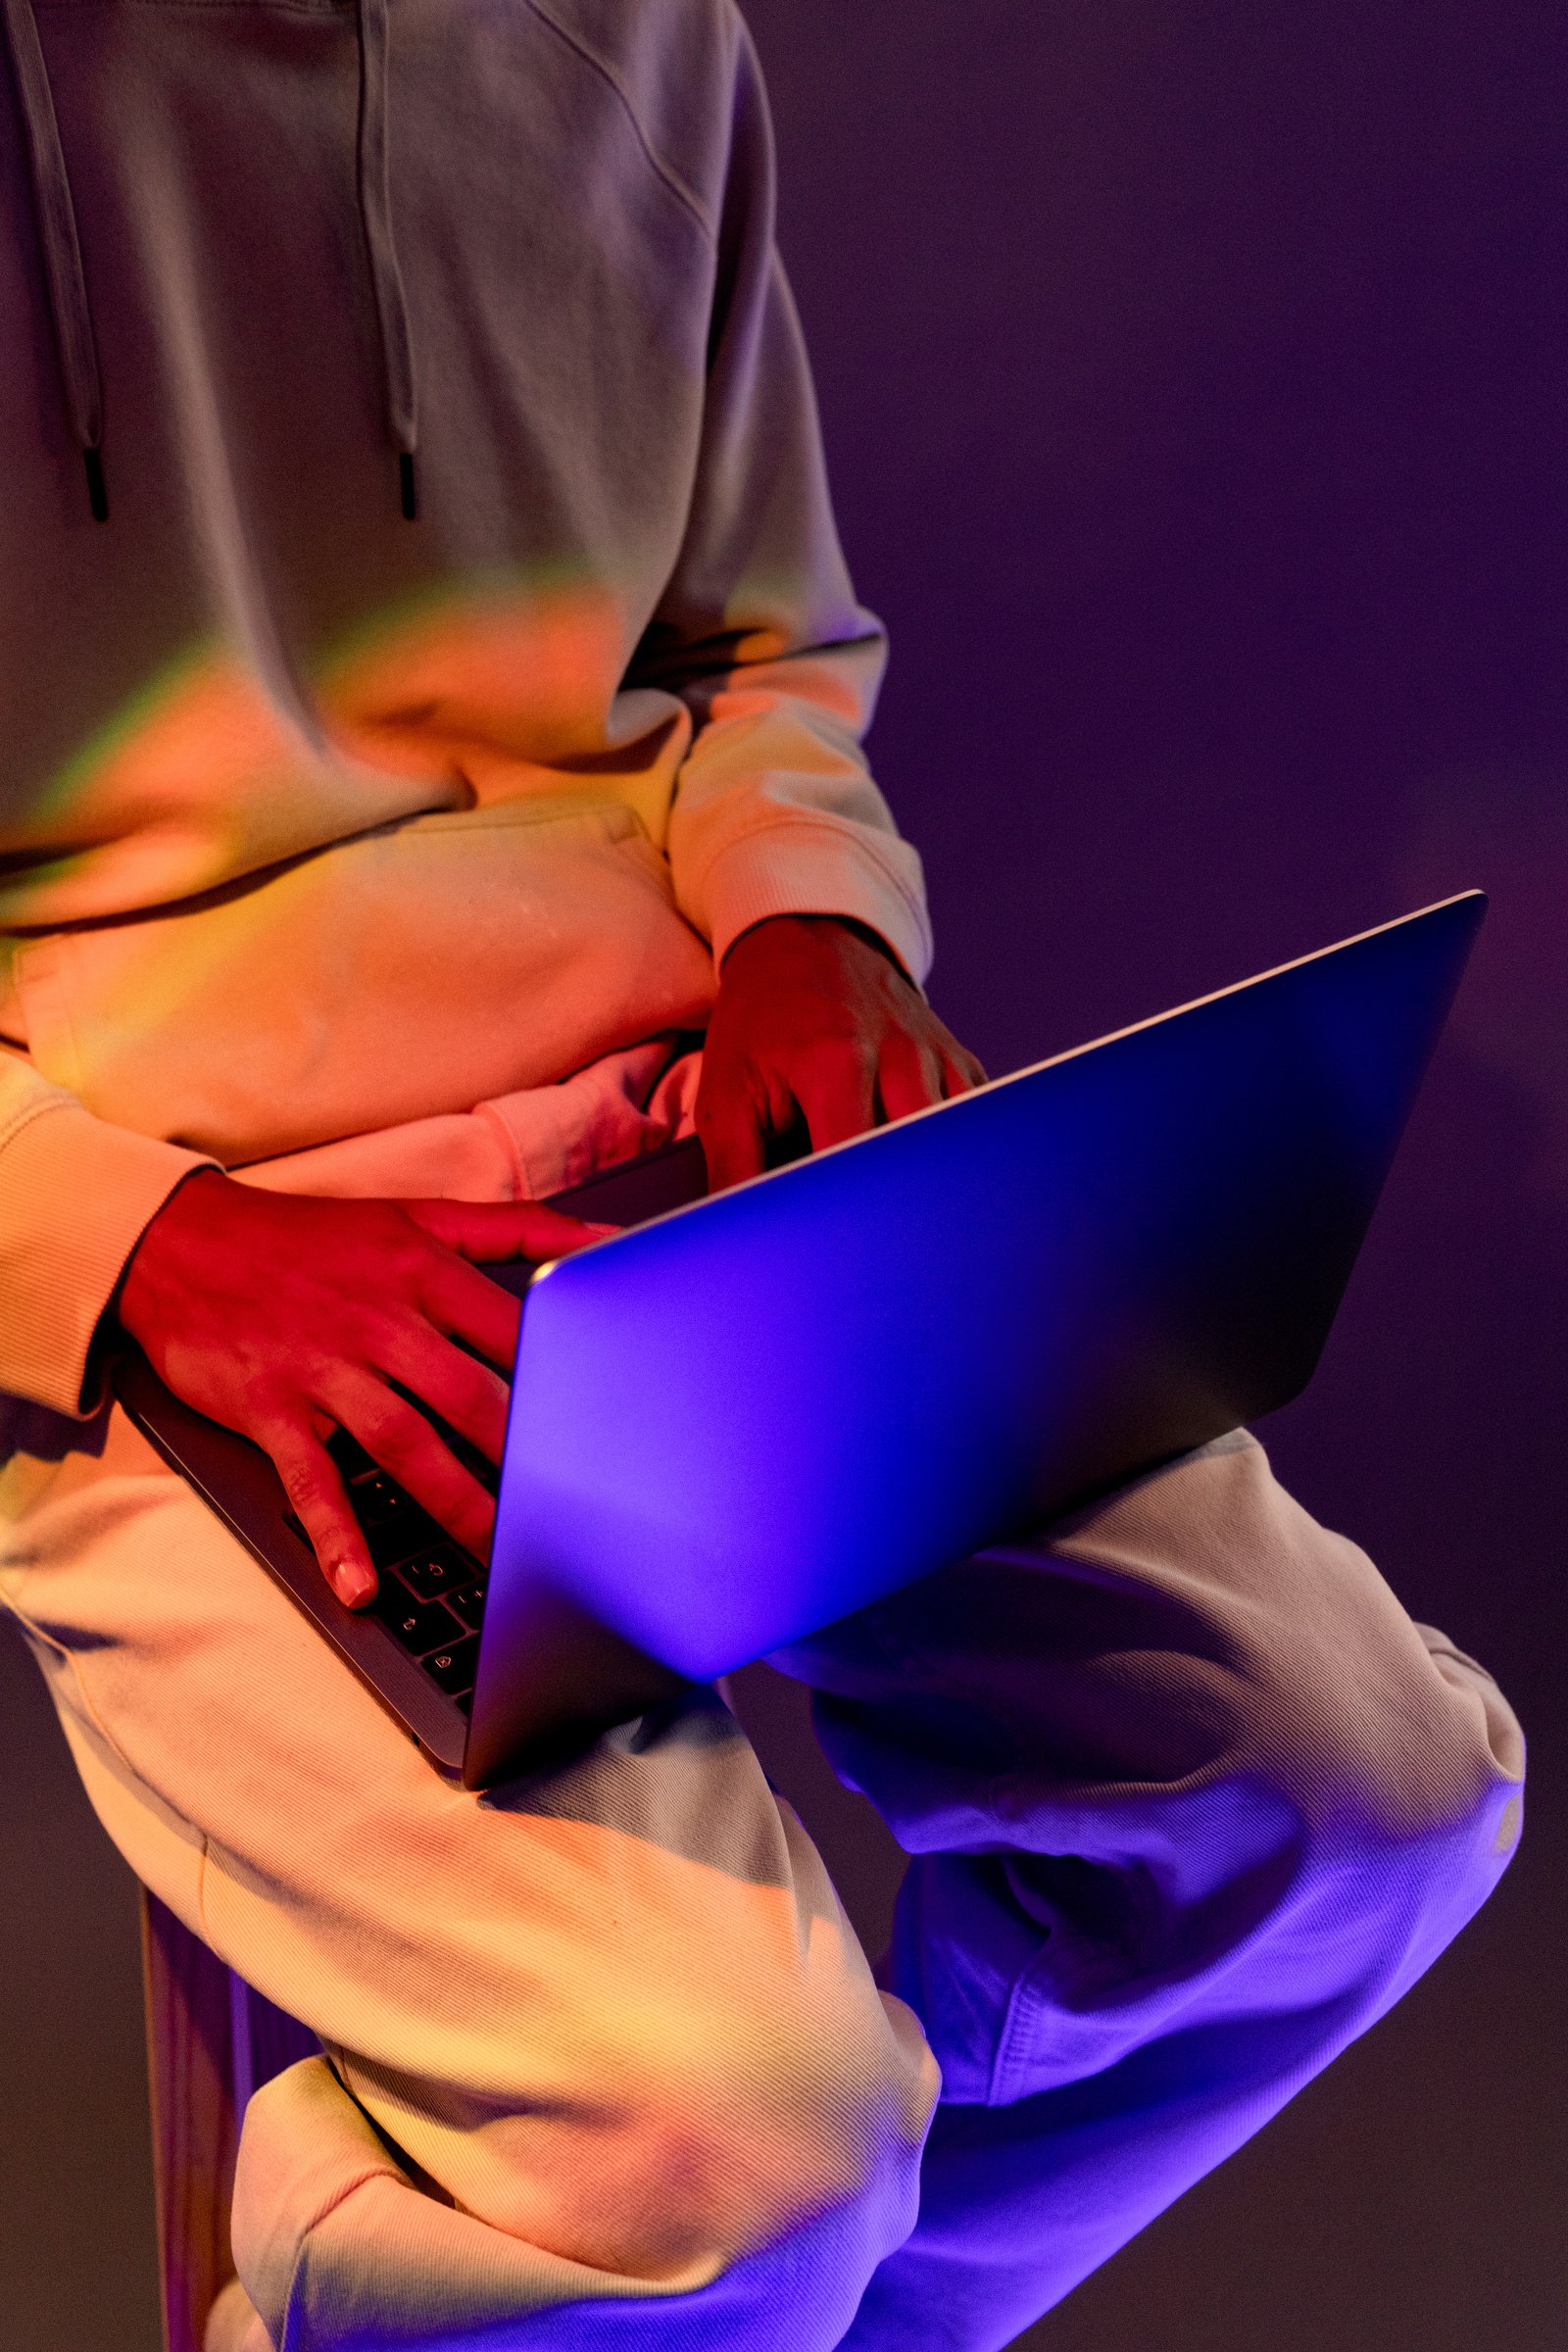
(422, 1626)
(469, 1602)
(409, 1535)
(455, 1668)
(376, 1498)
(436, 1568)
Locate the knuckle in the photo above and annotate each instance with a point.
(487, 1391)
(415, 1257)
(391, 1432)
(475, 1401)
(836, 1059)
(303, 1484)
(838, 1028)
(401, 1241)
(730, 1117)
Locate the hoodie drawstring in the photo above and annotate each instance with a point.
(68, 284)
(386, 278)
(62, 249)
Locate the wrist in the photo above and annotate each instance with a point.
(158, 1235)
(848, 924)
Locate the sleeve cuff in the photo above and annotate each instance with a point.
(77, 1194)
(816, 867)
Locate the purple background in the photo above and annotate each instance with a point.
(1194, 389)
(1195, 382)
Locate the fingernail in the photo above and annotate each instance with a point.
(355, 1586)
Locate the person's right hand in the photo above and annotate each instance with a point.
(287, 1317)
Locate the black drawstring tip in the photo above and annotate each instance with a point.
(97, 489)
(410, 503)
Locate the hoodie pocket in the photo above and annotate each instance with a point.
(418, 969)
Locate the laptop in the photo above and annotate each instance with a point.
(747, 1415)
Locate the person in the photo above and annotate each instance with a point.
(433, 700)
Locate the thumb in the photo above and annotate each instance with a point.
(499, 1229)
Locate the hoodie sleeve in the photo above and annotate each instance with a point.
(76, 1196)
(758, 631)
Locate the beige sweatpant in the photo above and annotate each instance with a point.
(605, 2064)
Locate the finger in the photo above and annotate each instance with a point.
(402, 1441)
(733, 1136)
(320, 1500)
(467, 1395)
(909, 1076)
(505, 1229)
(465, 1305)
(836, 1090)
(962, 1071)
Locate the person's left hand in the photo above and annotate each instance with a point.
(814, 1021)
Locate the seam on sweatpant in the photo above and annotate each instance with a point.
(323, 2213)
(1008, 2078)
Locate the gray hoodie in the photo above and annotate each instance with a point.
(424, 644)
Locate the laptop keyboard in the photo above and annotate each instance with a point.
(430, 1593)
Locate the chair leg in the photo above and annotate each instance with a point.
(190, 2078)
(210, 2041)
